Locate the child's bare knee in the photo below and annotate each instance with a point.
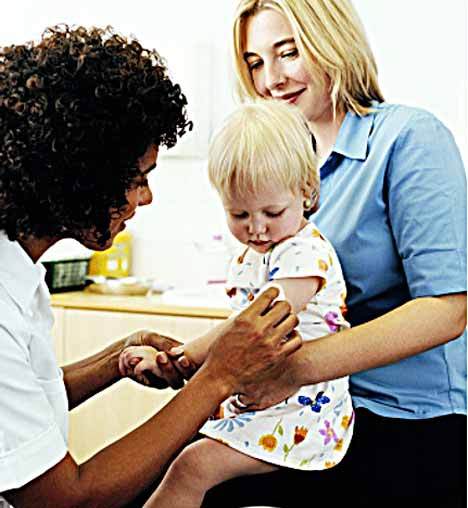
(187, 459)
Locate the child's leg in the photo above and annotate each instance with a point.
(199, 467)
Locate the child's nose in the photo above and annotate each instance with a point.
(257, 226)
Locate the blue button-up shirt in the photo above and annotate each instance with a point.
(393, 203)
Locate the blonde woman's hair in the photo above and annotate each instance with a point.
(331, 40)
(262, 143)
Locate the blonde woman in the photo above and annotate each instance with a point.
(263, 166)
(393, 203)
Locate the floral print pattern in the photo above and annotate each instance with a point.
(311, 429)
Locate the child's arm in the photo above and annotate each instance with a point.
(134, 360)
(197, 350)
(298, 291)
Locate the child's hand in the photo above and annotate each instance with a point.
(173, 373)
(135, 360)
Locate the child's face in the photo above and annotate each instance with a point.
(264, 219)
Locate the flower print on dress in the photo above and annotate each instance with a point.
(316, 404)
(343, 306)
(329, 433)
(240, 259)
(339, 445)
(247, 295)
(287, 434)
(333, 321)
(300, 433)
(316, 234)
(268, 441)
(346, 421)
(231, 292)
(229, 424)
(273, 272)
(322, 265)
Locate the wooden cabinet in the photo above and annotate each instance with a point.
(125, 405)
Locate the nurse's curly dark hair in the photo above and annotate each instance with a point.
(77, 111)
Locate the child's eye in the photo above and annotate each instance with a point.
(275, 214)
(242, 215)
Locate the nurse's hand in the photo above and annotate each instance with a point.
(261, 396)
(170, 371)
(254, 345)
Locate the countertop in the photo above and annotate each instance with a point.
(137, 304)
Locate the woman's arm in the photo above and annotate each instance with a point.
(416, 326)
(89, 376)
(114, 476)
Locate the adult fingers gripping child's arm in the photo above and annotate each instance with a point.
(298, 293)
(256, 349)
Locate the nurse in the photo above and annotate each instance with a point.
(393, 203)
(82, 115)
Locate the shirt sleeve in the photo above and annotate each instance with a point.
(426, 185)
(30, 438)
(300, 257)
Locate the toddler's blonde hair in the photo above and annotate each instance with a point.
(263, 142)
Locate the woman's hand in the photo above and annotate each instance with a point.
(253, 346)
(167, 370)
(263, 395)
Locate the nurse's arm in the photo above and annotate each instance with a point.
(416, 326)
(117, 474)
(89, 376)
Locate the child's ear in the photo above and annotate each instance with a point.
(311, 199)
(306, 191)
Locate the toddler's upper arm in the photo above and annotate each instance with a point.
(297, 291)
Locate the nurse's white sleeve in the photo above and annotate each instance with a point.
(31, 439)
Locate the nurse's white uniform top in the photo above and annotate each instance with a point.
(33, 400)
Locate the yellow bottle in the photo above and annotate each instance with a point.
(114, 261)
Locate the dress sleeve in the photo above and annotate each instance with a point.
(426, 188)
(307, 256)
(31, 441)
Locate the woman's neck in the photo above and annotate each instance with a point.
(35, 247)
(325, 131)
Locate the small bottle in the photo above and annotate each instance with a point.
(114, 261)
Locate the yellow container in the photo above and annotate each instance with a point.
(116, 260)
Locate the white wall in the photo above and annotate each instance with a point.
(420, 47)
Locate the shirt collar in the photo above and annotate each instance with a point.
(353, 136)
(18, 274)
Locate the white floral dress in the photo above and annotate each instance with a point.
(311, 429)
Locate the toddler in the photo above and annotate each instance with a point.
(263, 166)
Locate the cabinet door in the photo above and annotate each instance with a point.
(88, 331)
(125, 405)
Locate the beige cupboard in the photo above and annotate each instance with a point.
(79, 332)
